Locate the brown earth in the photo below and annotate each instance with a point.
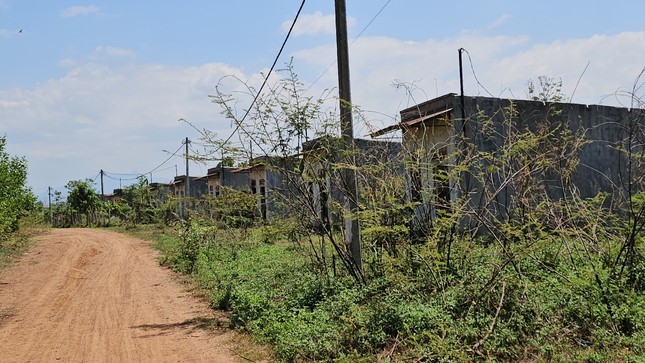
(84, 295)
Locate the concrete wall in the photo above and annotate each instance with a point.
(198, 187)
(227, 178)
(602, 167)
(434, 136)
(320, 158)
(276, 189)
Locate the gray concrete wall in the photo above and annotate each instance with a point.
(239, 181)
(198, 187)
(602, 167)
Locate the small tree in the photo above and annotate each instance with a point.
(15, 197)
(547, 90)
(138, 198)
(82, 197)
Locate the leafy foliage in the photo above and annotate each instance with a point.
(82, 197)
(139, 200)
(16, 199)
(477, 277)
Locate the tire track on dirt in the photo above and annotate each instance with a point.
(83, 295)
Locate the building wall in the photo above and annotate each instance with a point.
(602, 167)
(225, 177)
(198, 187)
(435, 136)
(259, 188)
(325, 180)
(425, 150)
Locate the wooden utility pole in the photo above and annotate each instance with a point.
(352, 232)
(461, 87)
(102, 192)
(51, 213)
(187, 191)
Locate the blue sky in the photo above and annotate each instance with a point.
(101, 85)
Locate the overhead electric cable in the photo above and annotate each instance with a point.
(371, 21)
(474, 74)
(122, 179)
(354, 40)
(144, 174)
(125, 174)
(96, 177)
(238, 126)
(165, 161)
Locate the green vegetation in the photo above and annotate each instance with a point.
(16, 200)
(136, 204)
(18, 220)
(476, 277)
(29, 227)
(550, 307)
(550, 279)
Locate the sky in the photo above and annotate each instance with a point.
(90, 86)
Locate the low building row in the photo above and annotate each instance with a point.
(434, 135)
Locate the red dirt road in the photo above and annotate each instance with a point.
(83, 295)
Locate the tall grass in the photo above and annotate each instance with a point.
(16, 243)
(412, 309)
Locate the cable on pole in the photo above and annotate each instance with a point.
(266, 79)
(354, 40)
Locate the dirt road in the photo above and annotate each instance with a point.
(83, 295)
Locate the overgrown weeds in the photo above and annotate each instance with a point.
(413, 308)
(29, 226)
(478, 243)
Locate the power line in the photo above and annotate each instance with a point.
(354, 40)
(371, 21)
(165, 161)
(168, 168)
(105, 174)
(143, 174)
(238, 126)
(474, 74)
(124, 174)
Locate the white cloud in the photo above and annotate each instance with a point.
(6, 33)
(73, 11)
(116, 118)
(67, 62)
(102, 52)
(499, 21)
(502, 65)
(314, 24)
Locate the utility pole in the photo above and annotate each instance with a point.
(102, 193)
(352, 232)
(51, 213)
(187, 191)
(461, 87)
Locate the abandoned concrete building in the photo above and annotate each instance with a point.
(322, 178)
(197, 186)
(443, 133)
(271, 180)
(221, 177)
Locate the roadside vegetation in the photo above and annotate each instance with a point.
(20, 216)
(558, 280)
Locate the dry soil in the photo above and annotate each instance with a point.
(84, 295)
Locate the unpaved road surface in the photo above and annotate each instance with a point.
(82, 295)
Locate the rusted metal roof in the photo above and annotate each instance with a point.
(410, 123)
